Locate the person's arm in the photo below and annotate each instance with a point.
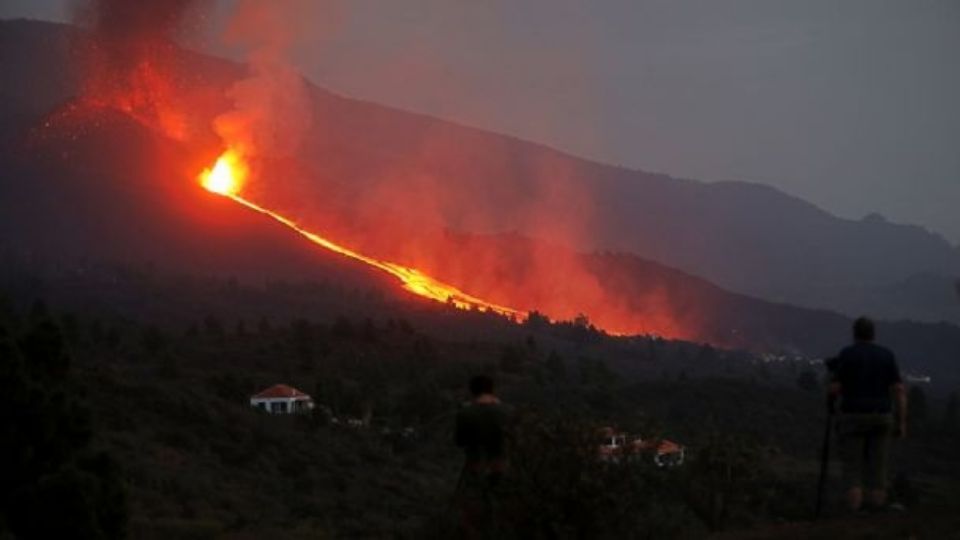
(900, 398)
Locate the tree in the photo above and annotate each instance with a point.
(807, 380)
(951, 413)
(213, 327)
(917, 408)
(727, 475)
(263, 326)
(556, 368)
(8, 316)
(45, 460)
(153, 340)
(368, 332)
(192, 331)
(112, 338)
(301, 336)
(537, 321)
(97, 334)
(71, 328)
(511, 359)
(342, 328)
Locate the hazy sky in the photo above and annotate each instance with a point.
(853, 105)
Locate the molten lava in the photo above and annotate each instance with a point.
(227, 175)
(226, 178)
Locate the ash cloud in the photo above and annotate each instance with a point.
(129, 57)
(125, 30)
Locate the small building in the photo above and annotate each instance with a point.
(669, 454)
(282, 399)
(617, 445)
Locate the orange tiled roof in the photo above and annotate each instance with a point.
(668, 447)
(280, 391)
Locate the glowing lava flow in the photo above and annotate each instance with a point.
(226, 178)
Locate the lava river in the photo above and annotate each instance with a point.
(226, 178)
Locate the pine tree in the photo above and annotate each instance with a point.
(917, 408)
(47, 466)
(807, 380)
(951, 414)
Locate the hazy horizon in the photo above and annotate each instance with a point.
(849, 106)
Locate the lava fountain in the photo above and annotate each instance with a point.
(226, 178)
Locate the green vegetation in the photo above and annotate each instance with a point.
(47, 461)
(144, 426)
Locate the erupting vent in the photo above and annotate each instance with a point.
(226, 178)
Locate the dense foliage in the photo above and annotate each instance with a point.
(142, 425)
(55, 483)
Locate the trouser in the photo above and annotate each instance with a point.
(864, 448)
(478, 495)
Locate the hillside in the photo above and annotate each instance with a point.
(163, 402)
(139, 313)
(366, 167)
(107, 190)
(110, 190)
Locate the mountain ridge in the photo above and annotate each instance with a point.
(748, 238)
(98, 208)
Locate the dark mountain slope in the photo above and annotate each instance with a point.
(401, 166)
(111, 190)
(91, 185)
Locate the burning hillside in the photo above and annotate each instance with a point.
(226, 178)
(266, 170)
(371, 179)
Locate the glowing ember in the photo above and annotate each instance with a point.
(226, 178)
(227, 175)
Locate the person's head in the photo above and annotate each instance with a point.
(863, 329)
(480, 385)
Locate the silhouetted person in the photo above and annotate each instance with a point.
(480, 432)
(865, 380)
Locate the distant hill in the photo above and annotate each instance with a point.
(745, 237)
(120, 192)
(117, 192)
(87, 186)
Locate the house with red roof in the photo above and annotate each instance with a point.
(615, 445)
(669, 453)
(282, 399)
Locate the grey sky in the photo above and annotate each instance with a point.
(853, 105)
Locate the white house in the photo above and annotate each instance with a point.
(616, 445)
(282, 399)
(669, 454)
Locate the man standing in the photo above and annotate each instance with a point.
(866, 381)
(480, 432)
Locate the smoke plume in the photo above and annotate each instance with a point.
(129, 57)
(126, 31)
(272, 106)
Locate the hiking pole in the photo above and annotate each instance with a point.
(457, 488)
(824, 463)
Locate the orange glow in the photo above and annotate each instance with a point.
(145, 92)
(226, 178)
(227, 175)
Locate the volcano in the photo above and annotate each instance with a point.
(365, 166)
(96, 184)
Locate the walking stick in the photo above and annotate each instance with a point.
(456, 490)
(824, 463)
